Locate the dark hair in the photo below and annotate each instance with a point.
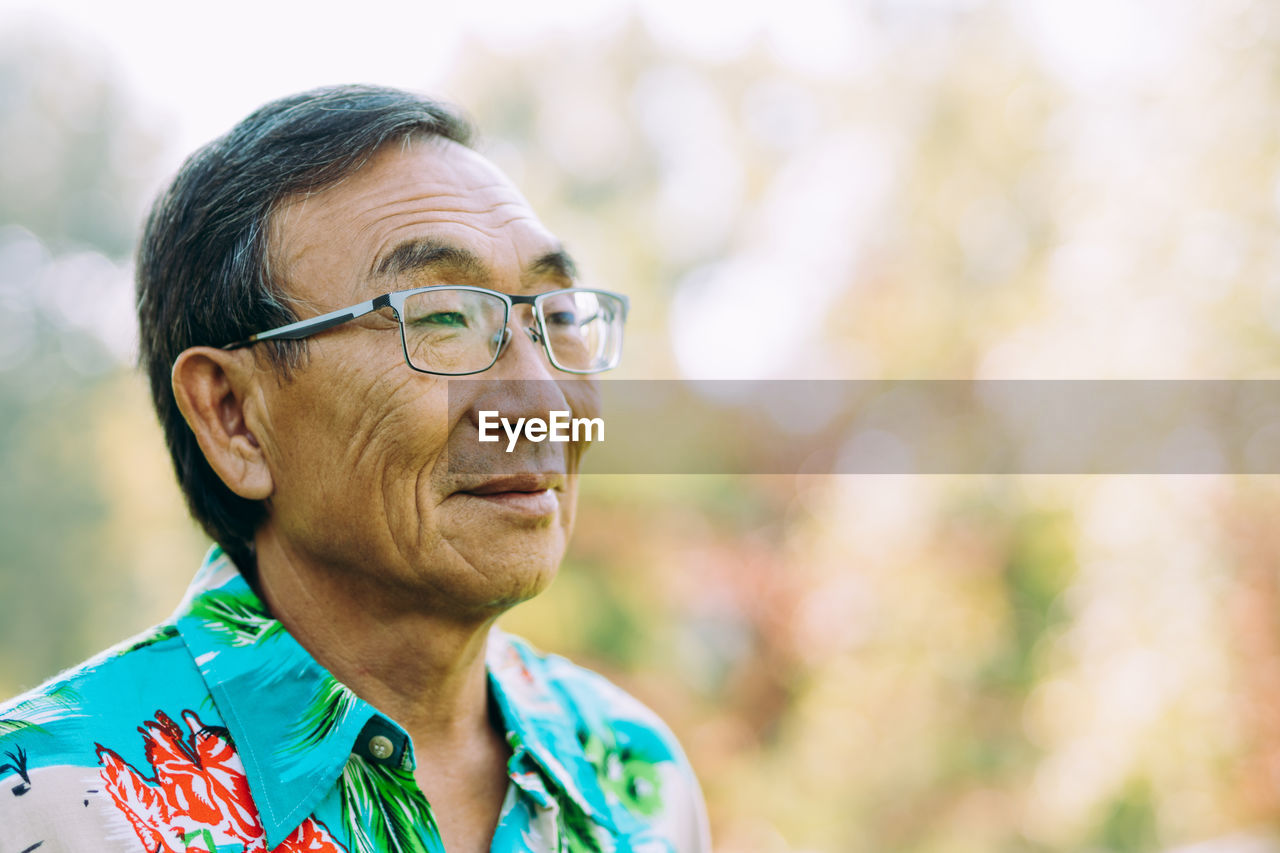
(204, 275)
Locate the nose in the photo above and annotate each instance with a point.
(505, 338)
(521, 384)
(518, 360)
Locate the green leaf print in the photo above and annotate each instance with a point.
(384, 810)
(238, 617)
(326, 711)
(577, 831)
(625, 775)
(156, 635)
(31, 714)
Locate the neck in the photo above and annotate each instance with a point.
(424, 670)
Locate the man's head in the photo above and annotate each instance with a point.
(312, 204)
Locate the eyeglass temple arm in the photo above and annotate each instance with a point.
(306, 328)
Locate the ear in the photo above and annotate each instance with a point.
(212, 387)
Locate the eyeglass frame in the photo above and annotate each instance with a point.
(395, 300)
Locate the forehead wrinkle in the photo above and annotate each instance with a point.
(489, 231)
(385, 261)
(301, 225)
(449, 201)
(285, 249)
(486, 218)
(428, 254)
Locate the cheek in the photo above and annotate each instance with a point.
(569, 506)
(582, 393)
(395, 454)
(357, 450)
(502, 562)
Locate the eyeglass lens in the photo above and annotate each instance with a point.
(584, 330)
(461, 331)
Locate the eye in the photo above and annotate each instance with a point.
(452, 319)
(561, 318)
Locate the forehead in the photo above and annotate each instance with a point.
(330, 244)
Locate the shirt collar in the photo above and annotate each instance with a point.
(539, 724)
(295, 726)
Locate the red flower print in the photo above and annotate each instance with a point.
(199, 798)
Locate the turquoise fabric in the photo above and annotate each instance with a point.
(218, 732)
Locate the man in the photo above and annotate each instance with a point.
(332, 680)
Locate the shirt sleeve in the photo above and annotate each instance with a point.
(648, 768)
(686, 810)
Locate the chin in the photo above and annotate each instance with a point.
(504, 590)
(519, 595)
(505, 570)
(503, 557)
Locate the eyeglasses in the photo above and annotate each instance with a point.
(459, 330)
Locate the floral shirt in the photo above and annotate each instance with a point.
(217, 732)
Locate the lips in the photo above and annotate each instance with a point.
(531, 497)
(528, 483)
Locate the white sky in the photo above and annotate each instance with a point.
(204, 70)
(205, 66)
(197, 69)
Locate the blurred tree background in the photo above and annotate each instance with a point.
(890, 190)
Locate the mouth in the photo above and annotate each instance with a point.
(527, 483)
(524, 494)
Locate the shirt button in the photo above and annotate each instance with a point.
(380, 746)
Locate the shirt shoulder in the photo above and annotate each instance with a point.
(601, 706)
(637, 759)
(53, 739)
(81, 699)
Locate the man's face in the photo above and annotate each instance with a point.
(359, 444)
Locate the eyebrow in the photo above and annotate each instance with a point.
(427, 255)
(555, 263)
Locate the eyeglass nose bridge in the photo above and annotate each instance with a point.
(531, 331)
